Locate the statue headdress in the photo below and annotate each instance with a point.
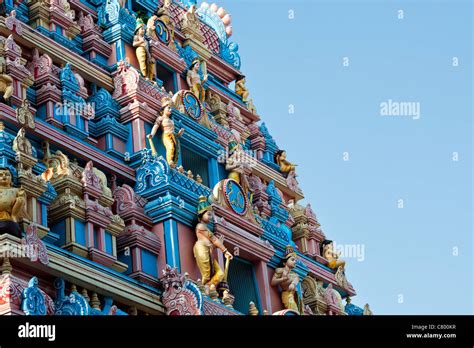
(140, 24)
(203, 205)
(195, 61)
(166, 101)
(290, 252)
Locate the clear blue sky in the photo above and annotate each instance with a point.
(408, 251)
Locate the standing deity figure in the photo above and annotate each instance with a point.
(194, 80)
(288, 281)
(283, 163)
(211, 272)
(241, 90)
(328, 252)
(169, 139)
(140, 41)
(6, 81)
(12, 204)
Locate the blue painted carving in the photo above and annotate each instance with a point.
(270, 148)
(68, 79)
(278, 214)
(228, 50)
(153, 172)
(118, 22)
(192, 105)
(108, 125)
(74, 304)
(195, 290)
(21, 9)
(353, 309)
(162, 32)
(73, 104)
(33, 301)
(236, 197)
(49, 195)
(270, 144)
(104, 104)
(187, 53)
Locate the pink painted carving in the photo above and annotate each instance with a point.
(127, 199)
(13, 24)
(177, 299)
(36, 250)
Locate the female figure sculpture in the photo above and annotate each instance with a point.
(147, 65)
(194, 80)
(170, 141)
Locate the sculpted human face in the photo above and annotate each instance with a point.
(207, 217)
(141, 31)
(196, 67)
(291, 262)
(167, 112)
(5, 178)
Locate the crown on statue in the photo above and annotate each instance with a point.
(290, 252)
(166, 101)
(203, 205)
(139, 24)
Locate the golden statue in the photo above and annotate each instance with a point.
(288, 281)
(170, 141)
(211, 272)
(285, 165)
(194, 80)
(241, 90)
(140, 41)
(6, 81)
(327, 251)
(12, 200)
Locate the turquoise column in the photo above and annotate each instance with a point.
(170, 228)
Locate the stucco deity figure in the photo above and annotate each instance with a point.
(328, 252)
(6, 81)
(150, 27)
(194, 80)
(211, 272)
(288, 281)
(285, 165)
(140, 41)
(241, 90)
(24, 116)
(12, 204)
(170, 141)
(21, 144)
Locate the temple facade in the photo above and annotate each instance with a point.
(136, 175)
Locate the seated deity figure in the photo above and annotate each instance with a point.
(140, 41)
(241, 90)
(6, 81)
(12, 204)
(288, 281)
(170, 141)
(211, 272)
(328, 252)
(194, 80)
(285, 165)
